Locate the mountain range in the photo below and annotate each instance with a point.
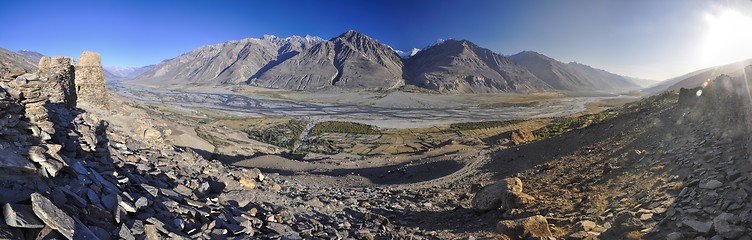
(354, 60)
(125, 73)
(231, 62)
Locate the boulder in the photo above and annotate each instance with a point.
(625, 226)
(725, 225)
(534, 227)
(506, 193)
(699, 227)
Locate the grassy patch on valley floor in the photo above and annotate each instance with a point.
(481, 125)
(343, 127)
(281, 135)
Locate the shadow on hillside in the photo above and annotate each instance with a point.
(393, 174)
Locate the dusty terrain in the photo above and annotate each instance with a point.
(640, 168)
(672, 166)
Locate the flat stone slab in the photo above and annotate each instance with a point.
(21, 216)
(12, 160)
(59, 220)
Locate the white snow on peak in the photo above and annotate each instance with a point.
(269, 36)
(403, 54)
(414, 51)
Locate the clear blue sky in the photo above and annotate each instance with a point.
(643, 38)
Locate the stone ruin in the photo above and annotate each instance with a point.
(90, 85)
(60, 86)
(33, 105)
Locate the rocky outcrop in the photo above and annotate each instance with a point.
(90, 83)
(689, 97)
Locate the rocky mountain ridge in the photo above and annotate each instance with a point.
(459, 66)
(351, 60)
(571, 76)
(226, 63)
(356, 61)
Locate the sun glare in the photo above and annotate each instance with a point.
(728, 37)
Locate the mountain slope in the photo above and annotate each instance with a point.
(351, 60)
(13, 64)
(34, 57)
(225, 63)
(459, 66)
(572, 76)
(554, 73)
(604, 80)
(698, 77)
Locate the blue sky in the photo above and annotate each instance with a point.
(641, 38)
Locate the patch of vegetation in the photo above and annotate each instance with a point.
(664, 99)
(323, 146)
(481, 125)
(511, 104)
(564, 124)
(282, 135)
(343, 127)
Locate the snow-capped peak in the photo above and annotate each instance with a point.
(414, 51)
(403, 54)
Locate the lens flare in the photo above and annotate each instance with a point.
(699, 93)
(727, 37)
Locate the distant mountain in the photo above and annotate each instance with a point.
(698, 77)
(128, 72)
(572, 76)
(14, 64)
(353, 60)
(460, 66)
(644, 83)
(226, 63)
(604, 80)
(31, 55)
(406, 55)
(350, 60)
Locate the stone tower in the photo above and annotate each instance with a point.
(60, 84)
(90, 85)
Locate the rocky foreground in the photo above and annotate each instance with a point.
(671, 166)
